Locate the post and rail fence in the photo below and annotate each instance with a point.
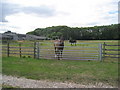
(21, 49)
(111, 51)
(84, 51)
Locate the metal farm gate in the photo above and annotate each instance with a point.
(82, 51)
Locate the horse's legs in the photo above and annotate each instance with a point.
(58, 54)
(55, 53)
(61, 54)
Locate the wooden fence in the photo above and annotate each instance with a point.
(21, 49)
(110, 50)
(83, 51)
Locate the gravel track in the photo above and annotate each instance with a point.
(29, 83)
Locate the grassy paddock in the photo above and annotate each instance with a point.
(83, 72)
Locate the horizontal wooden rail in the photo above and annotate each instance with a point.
(22, 53)
(14, 50)
(112, 49)
(4, 46)
(4, 49)
(111, 57)
(21, 47)
(4, 52)
(111, 45)
(21, 43)
(111, 54)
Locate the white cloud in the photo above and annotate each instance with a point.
(74, 13)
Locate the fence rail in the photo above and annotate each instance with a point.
(111, 51)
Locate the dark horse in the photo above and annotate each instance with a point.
(59, 46)
(73, 42)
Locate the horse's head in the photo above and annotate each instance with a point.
(62, 39)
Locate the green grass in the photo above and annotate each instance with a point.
(72, 71)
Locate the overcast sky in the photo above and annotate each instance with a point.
(22, 16)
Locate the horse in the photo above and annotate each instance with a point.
(73, 42)
(59, 46)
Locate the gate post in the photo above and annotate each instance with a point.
(104, 49)
(20, 50)
(38, 50)
(100, 52)
(8, 49)
(34, 50)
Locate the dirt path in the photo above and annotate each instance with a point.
(29, 83)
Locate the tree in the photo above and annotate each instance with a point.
(84, 33)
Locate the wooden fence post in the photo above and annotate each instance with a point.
(20, 49)
(38, 50)
(8, 49)
(104, 49)
(34, 50)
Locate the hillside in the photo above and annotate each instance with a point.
(108, 32)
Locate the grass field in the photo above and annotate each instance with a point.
(84, 72)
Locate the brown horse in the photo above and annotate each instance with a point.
(59, 46)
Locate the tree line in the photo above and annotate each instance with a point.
(106, 32)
